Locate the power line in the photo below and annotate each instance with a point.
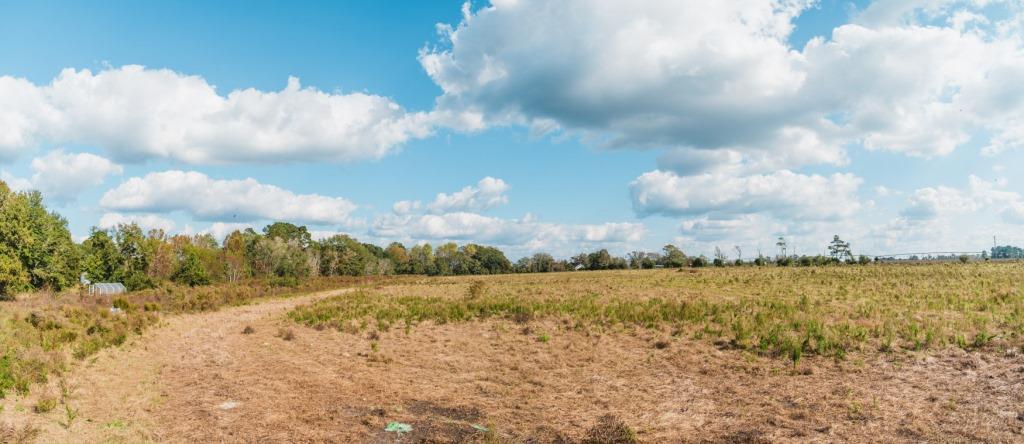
(925, 253)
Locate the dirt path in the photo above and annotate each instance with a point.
(124, 394)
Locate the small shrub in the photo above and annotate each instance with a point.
(543, 337)
(286, 333)
(69, 416)
(122, 304)
(662, 344)
(610, 430)
(45, 405)
(699, 262)
(248, 330)
(476, 289)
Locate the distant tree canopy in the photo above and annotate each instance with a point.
(839, 250)
(1007, 252)
(289, 233)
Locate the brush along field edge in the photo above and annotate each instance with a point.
(786, 312)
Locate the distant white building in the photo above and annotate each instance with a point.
(107, 288)
(102, 287)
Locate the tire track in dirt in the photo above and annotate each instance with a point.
(124, 394)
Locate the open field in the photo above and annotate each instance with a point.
(859, 354)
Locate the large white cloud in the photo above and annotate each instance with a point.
(137, 113)
(940, 202)
(62, 176)
(783, 194)
(205, 198)
(721, 75)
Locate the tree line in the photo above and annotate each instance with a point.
(37, 252)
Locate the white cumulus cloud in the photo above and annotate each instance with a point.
(488, 193)
(939, 202)
(136, 113)
(906, 76)
(205, 198)
(784, 194)
(62, 176)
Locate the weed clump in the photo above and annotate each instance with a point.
(610, 430)
(45, 405)
(476, 289)
(286, 333)
(248, 330)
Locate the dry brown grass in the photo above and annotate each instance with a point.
(787, 312)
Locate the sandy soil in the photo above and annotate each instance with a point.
(199, 378)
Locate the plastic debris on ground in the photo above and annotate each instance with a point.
(398, 427)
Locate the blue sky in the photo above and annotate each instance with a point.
(547, 126)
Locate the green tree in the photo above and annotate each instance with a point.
(136, 255)
(673, 256)
(190, 269)
(38, 240)
(233, 257)
(421, 260)
(399, 256)
(343, 255)
(289, 232)
(542, 262)
(13, 276)
(102, 260)
(600, 260)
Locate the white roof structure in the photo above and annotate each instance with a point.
(107, 288)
